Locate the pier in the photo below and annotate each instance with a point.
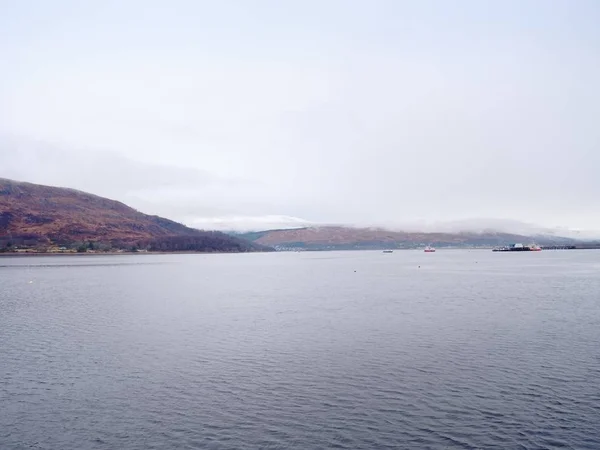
(559, 247)
(572, 247)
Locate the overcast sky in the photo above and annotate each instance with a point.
(257, 113)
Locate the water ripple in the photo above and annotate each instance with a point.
(299, 351)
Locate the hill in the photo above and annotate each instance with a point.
(348, 238)
(41, 217)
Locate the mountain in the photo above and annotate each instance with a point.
(349, 238)
(39, 216)
(509, 226)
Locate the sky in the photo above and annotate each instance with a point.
(267, 113)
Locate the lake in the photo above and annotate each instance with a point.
(455, 349)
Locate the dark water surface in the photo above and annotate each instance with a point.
(301, 350)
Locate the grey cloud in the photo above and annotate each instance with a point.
(186, 194)
(102, 172)
(381, 117)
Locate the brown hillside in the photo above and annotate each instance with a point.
(337, 237)
(31, 213)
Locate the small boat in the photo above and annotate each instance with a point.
(429, 249)
(388, 251)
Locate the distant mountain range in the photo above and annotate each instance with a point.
(46, 218)
(43, 217)
(351, 238)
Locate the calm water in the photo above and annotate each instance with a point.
(473, 349)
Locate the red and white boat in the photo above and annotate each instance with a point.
(429, 249)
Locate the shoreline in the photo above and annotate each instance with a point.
(29, 254)
(74, 254)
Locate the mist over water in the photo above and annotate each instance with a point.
(457, 349)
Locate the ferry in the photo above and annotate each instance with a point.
(518, 248)
(429, 249)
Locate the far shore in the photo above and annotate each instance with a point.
(26, 254)
(116, 253)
